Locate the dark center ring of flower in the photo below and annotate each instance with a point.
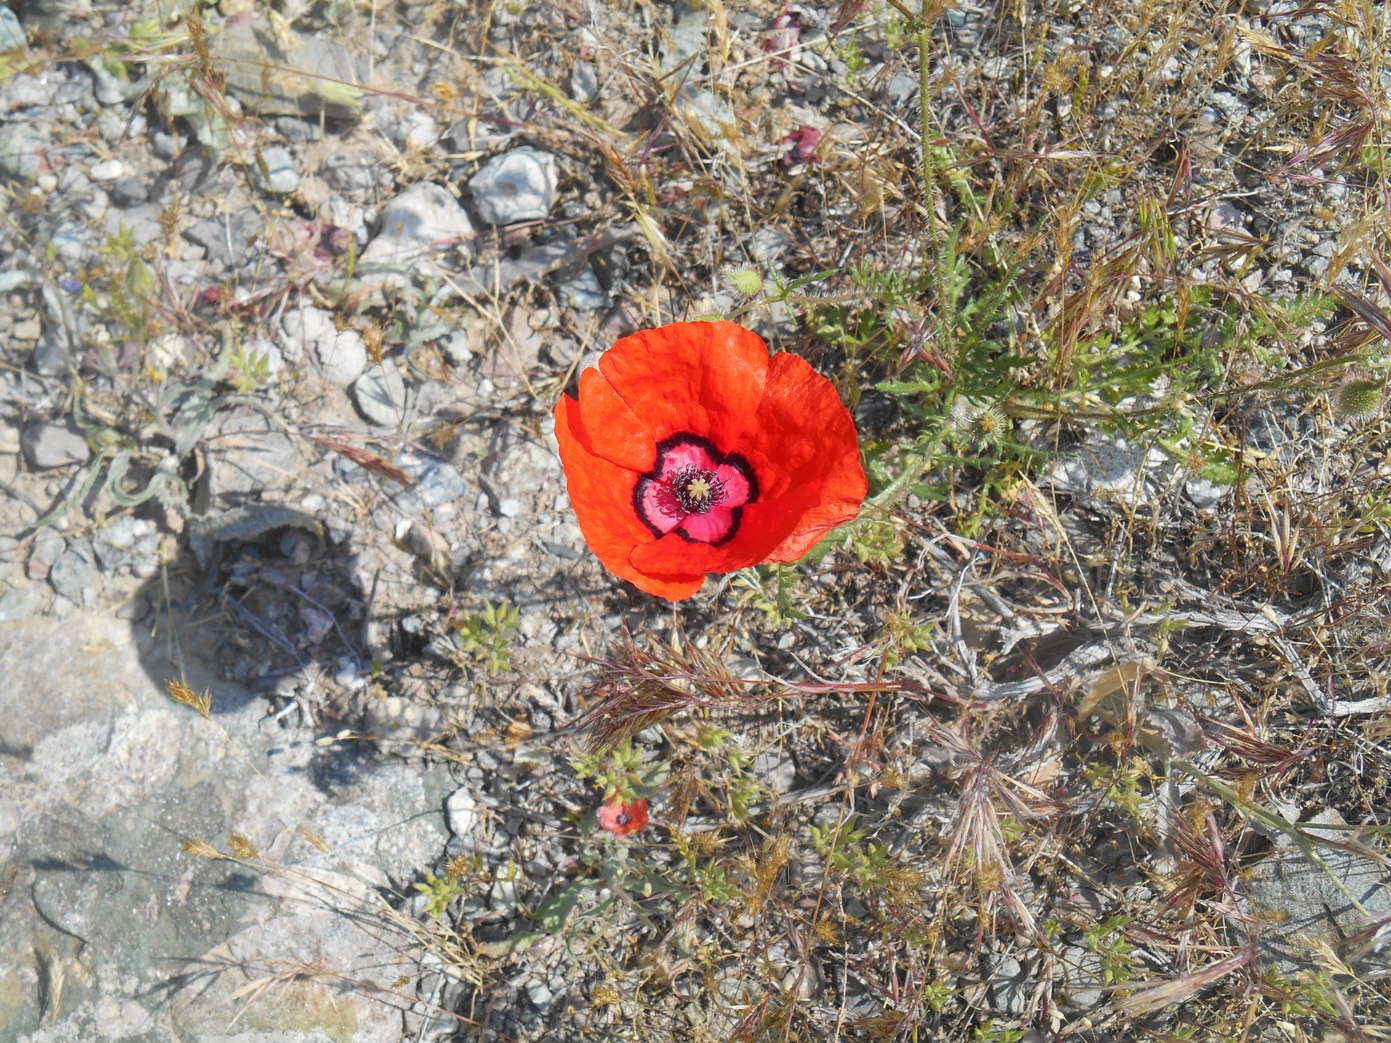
(680, 499)
(697, 490)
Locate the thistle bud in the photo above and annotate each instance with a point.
(1359, 397)
(745, 281)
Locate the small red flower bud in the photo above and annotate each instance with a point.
(622, 819)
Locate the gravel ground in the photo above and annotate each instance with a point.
(290, 293)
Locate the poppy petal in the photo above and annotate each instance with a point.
(842, 493)
(803, 433)
(610, 525)
(714, 526)
(610, 429)
(657, 507)
(762, 526)
(683, 455)
(704, 378)
(736, 483)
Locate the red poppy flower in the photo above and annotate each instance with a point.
(622, 819)
(690, 450)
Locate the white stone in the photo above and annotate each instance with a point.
(107, 170)
(516, 186)
(461, 810)
(301, 326)
(421, 224)
(342, 357)
(381, 394)
(419, 131)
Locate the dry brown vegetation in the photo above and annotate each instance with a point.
(1022, 754)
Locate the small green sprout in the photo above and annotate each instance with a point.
(486, 635)
(440, 891)
(248, 370)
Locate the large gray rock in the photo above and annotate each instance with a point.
(47, 445)
(106, 779)
(1297, 903)
(248, 453)
(308, 75)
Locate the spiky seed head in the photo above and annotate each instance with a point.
(745, 281)
(1360, 397)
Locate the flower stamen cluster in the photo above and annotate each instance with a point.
(697, 490)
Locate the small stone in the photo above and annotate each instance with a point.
(71, 243)
(342, 357)
(12, 553)
(110, 89)
(26, 329)
(540, 994)
(420, 224)
(47, 445)
(455, 347)
(127, 542)
(297, 131)
(301, 327)
(107, 170)
(21, 151)
(1010, 986)
(775, 766)
(426, 543)
(11, 32)
(228, 239)
(1204, 492)
(419, 130)
(48, 548)
(583, 292)
(503, 897)
(436, 482)
(354, 173)
(509, 507)
(21, 602)
(352, 677)
(129, 191)
(381, 394)
(51, 354)
(516, 186)
(1225, 215)
(584, 83)
(24, 92)
(74, 575)
(461, 810)
(1084, 977)
(274, 172)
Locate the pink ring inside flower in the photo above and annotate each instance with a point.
(694, 491)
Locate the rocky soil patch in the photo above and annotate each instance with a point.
(322, 722)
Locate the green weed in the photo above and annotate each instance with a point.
(486, 637)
